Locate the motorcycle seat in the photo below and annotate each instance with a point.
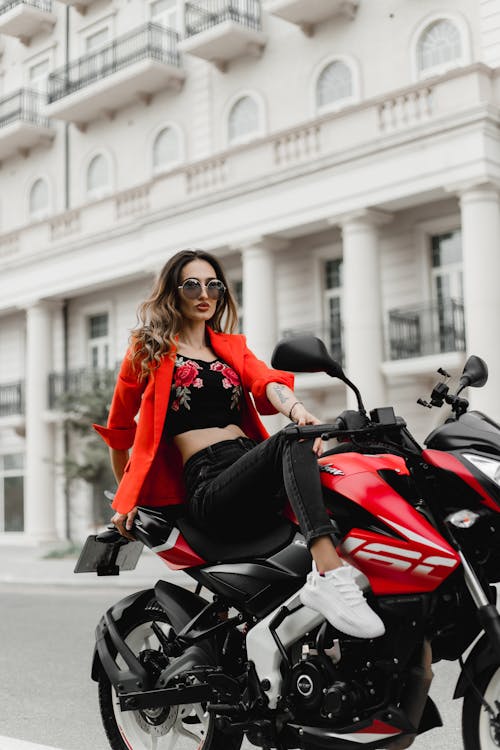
(218, 551)
(156, 523)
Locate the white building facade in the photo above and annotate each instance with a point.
(341, 157)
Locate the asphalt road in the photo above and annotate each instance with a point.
(46, 644)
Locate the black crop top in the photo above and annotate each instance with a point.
(203, 394)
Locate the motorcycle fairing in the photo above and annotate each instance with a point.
(177, 553)
(473, 428)
(396, 566)
(454, 463)
(369, 735)
(420, 559)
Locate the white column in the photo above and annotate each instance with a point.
(260, 318)
(362, 309)
(259, 296)
(480, 211)
(39, 491)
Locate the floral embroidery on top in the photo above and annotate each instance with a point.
(229, 380)
(186, 377)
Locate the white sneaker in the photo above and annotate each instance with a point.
(337, 597)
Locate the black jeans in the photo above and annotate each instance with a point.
(237, 488)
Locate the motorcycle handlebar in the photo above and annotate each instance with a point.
(337, 429)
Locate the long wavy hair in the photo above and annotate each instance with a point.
(159, 317)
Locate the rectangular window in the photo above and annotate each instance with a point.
(447, 314)
(96, 39)
(12, 492)
(37, 75)
(98, 341)
(164, 13)
(333, 307)
(237, 286)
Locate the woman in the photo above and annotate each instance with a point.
(199, 438)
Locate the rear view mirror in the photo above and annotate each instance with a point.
(305, 354)
(475, 373)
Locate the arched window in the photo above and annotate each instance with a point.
(98, 177)
(243, 121)
(440, 45)
(335, 85)
(39, 199)
(166, 149)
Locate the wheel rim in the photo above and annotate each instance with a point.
(487, 739)
(162, 728)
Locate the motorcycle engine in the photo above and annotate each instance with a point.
(317, 687)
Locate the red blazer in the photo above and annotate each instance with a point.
(153, 476)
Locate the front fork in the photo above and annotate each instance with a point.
(486, 651)
(487, 612)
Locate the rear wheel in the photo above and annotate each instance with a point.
(481, 730)
(188, 727)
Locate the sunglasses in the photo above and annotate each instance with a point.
(192, 289)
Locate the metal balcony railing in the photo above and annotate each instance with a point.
(11, 399)
(330, 336)
(45, 5)
(77, 382)
(199, 17)
(151, 42)
(426, 329)
(22, 106)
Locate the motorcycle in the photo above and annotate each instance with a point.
(421, 525)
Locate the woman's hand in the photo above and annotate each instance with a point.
(301, 417)
(124, 521)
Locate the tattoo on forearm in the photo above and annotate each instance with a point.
(280, 392)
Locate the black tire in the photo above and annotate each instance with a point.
(478, 734)
(136, 730)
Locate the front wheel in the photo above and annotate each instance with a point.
(186, 726)
(481, 729)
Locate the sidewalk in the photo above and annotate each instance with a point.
(9, 743)
(26, 565)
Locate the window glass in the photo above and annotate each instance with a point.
(12, 492)
(97, 175)
(165, 148)
(446, 325)
(243, 119)
(13, 504)
(237, 287)
(333, 307)
(439, 44)
(446, 248)
(334, 84)
(98, 326)
(164, 12)
(13, 462)
(98, 341)
(38, 75)
(333, 273)
(39, 199)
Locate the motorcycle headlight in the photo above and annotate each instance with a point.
(489, 466)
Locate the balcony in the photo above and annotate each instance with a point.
(75, 383)
(308, 13)
(11, 399)
(80, 5)
(426, 330)
(22, 127)
(24, 19)
(220, 31)
(330, 336)
(131, 68)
